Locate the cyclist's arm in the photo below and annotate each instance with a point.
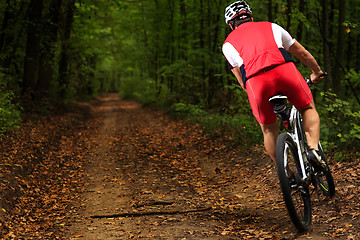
(234, 61)
(237, 74)
(307, 59)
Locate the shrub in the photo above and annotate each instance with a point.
(236, 128)
(9, 113)
(186, 110)
(340, 124)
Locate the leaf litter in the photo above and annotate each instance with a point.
(148, 176)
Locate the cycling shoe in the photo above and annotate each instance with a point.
(316, 160)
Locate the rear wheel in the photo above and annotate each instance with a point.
(295, 191)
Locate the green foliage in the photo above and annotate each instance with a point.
(354, 78)
(236, 128)
(340, 123)
(9, 113)
(185, 110)
(240, 104)
(138, 89)
(240, 128)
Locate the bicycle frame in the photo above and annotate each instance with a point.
(295, 122)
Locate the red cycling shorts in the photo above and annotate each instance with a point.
(284, 79)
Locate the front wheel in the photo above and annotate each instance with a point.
(295, 191)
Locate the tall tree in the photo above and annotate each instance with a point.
(5, 24)
(183, 29)
(339, 58)
(50, 31)
(66, 26)
(357, 52)
(300, 28)
(270, 11)
(289, 4)
(326, 44)
(32, 53)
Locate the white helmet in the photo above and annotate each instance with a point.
(236, 9)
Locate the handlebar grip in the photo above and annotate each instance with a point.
(324, 74)
(309, 82)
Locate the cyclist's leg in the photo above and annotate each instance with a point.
(311, 125)
(259, 89)
(270, 132)
(298, 92)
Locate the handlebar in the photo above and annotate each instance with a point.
(309, 82)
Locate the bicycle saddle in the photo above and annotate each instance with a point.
(278, 99)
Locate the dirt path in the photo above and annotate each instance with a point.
(152, 177)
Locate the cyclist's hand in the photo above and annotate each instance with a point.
(316, 77)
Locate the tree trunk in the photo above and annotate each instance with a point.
(326, 47)
(156, 55)
(48, 48)
(213, 41)
(182, 44)
(11, 38)
(5, 24)
(300, 27)
(202, 46)
(339, 58)
(31, 62)
(288, 13)
(270, 11)
(183, 30)
(66, 26)
(351, 37)
(357, 61)
(170, 51)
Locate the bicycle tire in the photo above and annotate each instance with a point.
(297, 198)
(324, 179)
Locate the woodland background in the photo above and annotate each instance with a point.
(167, 53)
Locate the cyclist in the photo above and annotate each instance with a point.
(257, 53)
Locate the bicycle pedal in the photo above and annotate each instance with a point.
(302, 190)
(294, 182)
(293, 185)
(316, 160)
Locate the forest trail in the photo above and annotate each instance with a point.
(151, 177)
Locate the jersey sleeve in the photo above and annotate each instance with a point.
(232, 55)
(282, 37)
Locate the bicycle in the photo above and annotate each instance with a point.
(295, 171)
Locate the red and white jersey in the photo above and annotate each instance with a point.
(256, 46)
